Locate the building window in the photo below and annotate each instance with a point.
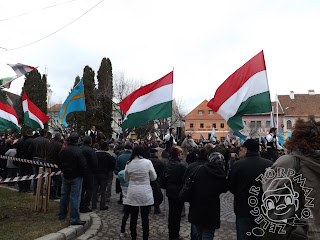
(200, 112)
(221, 125)
(210, 112)
(252, 124)
(222, 139)
(258, 124)
(289, 124)
(267, 124)
(201, 125)
(191, 125)
(214, 125)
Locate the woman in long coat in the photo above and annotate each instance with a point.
(139, 171)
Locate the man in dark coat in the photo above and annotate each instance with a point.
(87, 186)
(54, 148)
(24, 153)
(73, 166)
(106, 163)
(159, 168)
(209, 182)
(38, 149)
(241, 179)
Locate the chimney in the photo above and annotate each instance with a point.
(311, 92)
(291, 95)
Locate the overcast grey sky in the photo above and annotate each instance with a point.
(204, 41)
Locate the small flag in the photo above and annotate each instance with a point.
(246, 91)
(240, 135)
(8, 118)
(33, 116)
(202, 138)
(75, 102)
(212, 134)
(150, 102)
(21, 69)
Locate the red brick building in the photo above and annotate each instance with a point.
(202, 119)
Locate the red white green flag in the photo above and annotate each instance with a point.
(8, 118)
(246, 91)
(150, 102)
(33, 116)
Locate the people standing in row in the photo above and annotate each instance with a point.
(139, 171)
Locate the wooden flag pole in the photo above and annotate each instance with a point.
(48, 184)
(39, 183)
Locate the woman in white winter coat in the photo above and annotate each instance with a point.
(139, 172)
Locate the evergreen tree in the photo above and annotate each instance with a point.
(105, 95)
(90, 99)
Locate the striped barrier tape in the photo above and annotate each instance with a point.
(24, 178)
(40, 162)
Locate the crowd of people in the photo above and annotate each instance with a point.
(142, 168)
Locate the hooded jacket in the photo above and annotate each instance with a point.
(210, 182)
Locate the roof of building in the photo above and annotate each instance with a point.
(300, 105)
(55, 108)
(194, 114)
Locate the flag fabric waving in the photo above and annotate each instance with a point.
(8, 118)
(246, 91)
(74, 102)
(212, 135)
(21, 69)
(33, 117)
(240, 135)
(150, 102)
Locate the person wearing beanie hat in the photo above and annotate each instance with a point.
(242, 178)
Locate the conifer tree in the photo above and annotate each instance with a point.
(90, 99)
(105, 95)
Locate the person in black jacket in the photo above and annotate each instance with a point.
(38, 149)
(159, 168)
(73, 166)
(54, 148)
(106, 162)
(87, 186)
(172, 181)
(24, 153)
(241, 179)
(209, 182)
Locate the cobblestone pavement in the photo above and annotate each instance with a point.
(111, 221)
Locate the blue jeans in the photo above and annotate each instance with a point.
(244, 226)
(200, 233)
(70, 192)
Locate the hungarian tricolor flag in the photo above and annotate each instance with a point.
(8, 118)
(150, 102)
(33, 117)
(246, 91)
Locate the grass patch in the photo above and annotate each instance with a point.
(18, 221)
